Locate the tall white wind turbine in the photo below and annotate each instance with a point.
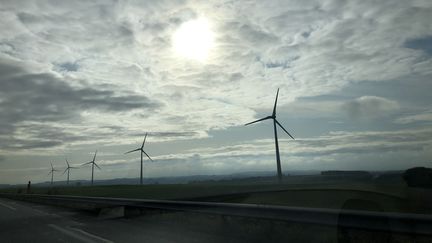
(68, 168)
(52, 173)
(141, 149)
(275, 122)
(93, 163)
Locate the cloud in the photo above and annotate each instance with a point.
(423, 43)
(28, 98)
(87, 74)
(68, 66)
(370, 107)
(338, 142)
(309, 48)
(422, 117)
(366, 142)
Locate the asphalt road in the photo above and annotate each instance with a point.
(28, 222)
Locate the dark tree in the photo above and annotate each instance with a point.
(418, 177)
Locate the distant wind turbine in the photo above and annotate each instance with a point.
(93, 163)
(68, 170)
(142, 152)
(273, 116)
(52, 173)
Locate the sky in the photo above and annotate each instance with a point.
(78, 76)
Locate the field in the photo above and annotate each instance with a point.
(300, 191)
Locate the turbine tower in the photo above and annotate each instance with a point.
(93, 163)
(52, 173)
(275, 122)
(68, 170)
(142, 152)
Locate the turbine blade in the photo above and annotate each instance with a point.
(67, 162)
(284, 129)
(262, 119)
(142, 146)
(94, 158)
(97, 166)
(274, 108)
(148, 156)
(87, 163)
(52, 167)
(138, 149)
(50, 173)
(64, 171)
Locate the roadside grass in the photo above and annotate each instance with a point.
(300, 191)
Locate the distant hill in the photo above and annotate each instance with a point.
(350, 173)
(299, 177)
(171, 180)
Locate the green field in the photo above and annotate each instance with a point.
(300, 191)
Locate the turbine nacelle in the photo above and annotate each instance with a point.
(141, 149)
(93, 161)
(52, 170)
(273, 117)
(68, 167)
(52, 173)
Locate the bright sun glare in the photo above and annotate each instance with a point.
(194, 39)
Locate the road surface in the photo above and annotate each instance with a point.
(29, 222)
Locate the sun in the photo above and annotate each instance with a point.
(194, 39)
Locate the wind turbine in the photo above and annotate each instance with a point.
(142, 152)
(52, 173)
(275, 122)
(93, 165)
(68, 170)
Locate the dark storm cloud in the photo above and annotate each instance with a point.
(43, 97)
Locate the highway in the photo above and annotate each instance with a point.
(23, 221)
(28, 222)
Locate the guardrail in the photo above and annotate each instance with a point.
(376, 221)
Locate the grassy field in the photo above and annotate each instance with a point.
(300, 191)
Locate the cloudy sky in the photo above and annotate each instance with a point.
(355, 81)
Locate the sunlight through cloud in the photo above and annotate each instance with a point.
(194, 39)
